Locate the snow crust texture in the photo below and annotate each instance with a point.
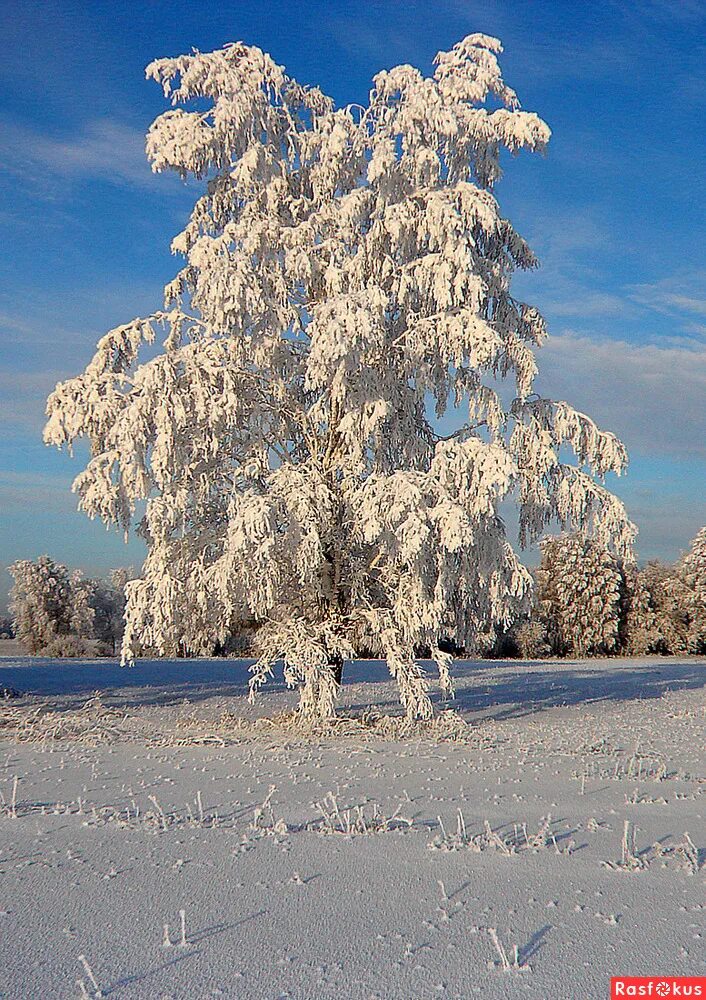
(547, 834)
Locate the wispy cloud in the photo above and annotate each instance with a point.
(72, 323)
(577, 279)
(666, 10)
(104, 150)
(684, 292)
(39, 515)
(571, 232)
(651, 395)
(23, 397)
(588, 304)
(686, 303)
(573, 248)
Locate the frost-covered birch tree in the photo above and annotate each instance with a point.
(692, 573)
(40, 602)
(346, 281)
(580, 585)
(669, 600)
(639, 627)
(51, 607)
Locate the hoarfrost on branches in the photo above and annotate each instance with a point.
(55, 611)
(640, 626)
(50, 607)
(692, 574)
(677, 612)
(343, 268)
(580, 593)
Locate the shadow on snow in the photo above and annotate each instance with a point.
(493, 689)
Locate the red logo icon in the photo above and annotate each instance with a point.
(657, 986)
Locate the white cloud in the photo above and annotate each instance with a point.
(684, 292)
(574, 249)
(686, 303)
(587, 304)
(105, 149)
(652, 396)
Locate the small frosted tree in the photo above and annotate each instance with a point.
(693, 567)
(81, 605)
(48, 604)
(347, 277)
(56, 611)
(639, 627)
(531, 639)
(580, 591)
(669, 599)
(691, 571)
(107, 602)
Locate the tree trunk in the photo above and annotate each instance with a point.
(337, 666)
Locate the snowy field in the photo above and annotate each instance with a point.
(336, 866)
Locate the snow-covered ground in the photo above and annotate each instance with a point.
(125, 814)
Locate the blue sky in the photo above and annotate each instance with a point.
(616, 212)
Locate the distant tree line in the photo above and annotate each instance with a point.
(589, 603)
(56, 612)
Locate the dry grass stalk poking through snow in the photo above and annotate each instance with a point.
(506, 964)
(9, 807)
(691, 855)
(630, 861)
(355, 820)
(685, 852)
(92, 724)
(264, 820)
(489, 839)
(97, 992)
(446, 726)
(166, 939)
(461, 839)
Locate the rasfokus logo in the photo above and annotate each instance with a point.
(657, 986)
